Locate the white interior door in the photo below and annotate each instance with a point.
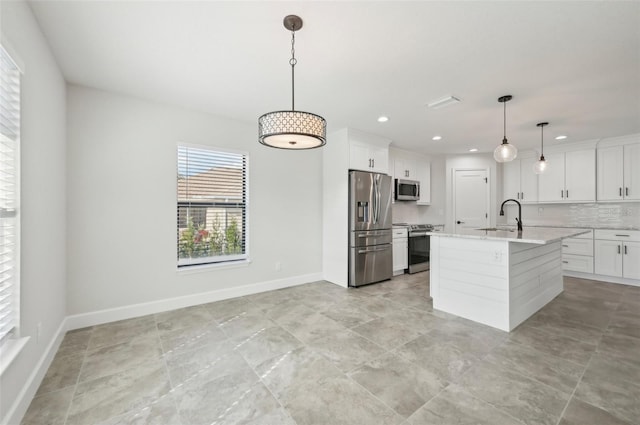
(471, 199)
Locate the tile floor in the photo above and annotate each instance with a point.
(321, 354)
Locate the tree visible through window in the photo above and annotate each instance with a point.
(212, 206)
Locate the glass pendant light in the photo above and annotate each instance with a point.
(541, 164)
(505, 152)
(292, 129)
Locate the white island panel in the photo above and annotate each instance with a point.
(469, 278)
(535, 278)
(498, 279)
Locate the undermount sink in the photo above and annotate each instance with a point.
(495, 229)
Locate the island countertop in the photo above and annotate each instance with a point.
(533, 235)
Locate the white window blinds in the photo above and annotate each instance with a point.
(212, 206)
(9, 190)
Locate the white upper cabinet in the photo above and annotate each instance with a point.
(551, 182)
(368, 157)
(569, 177)
(423, 175)
(519, 180)
(619, 173)
(411, 166)
(404, 168)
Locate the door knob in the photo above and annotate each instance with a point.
(459, 222)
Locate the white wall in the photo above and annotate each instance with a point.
(122, 203)
(43, 201)
(478, 161)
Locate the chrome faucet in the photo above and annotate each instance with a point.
(519, 217)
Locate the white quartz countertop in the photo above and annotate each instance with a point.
(534, 235)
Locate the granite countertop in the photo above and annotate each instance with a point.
(534, 235)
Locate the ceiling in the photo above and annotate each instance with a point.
(573, 64)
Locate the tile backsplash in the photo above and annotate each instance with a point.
(578, 215)
(409, 212)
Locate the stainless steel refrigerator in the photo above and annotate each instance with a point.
(370, 255)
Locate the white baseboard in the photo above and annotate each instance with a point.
(602, 278)
(83, 320)
(28, 391)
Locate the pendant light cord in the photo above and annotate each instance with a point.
(293, 62)
(504, 122)
(542, 142)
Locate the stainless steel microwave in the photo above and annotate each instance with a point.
(407, 190)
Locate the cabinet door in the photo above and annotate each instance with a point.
(400, 169)
(577, 263)
(580, 175)
(610, 165)
(551, 182)
(423, 175)
(511, 179)
(359, 158)
(380, 159)
(608, 258)
(528, 181)
(632, 172)
(631, 262)
(400, 254)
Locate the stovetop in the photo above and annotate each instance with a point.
(426, 227)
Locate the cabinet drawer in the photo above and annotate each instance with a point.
(617, 235)
(399, 233)
(577, 263)
(577, 246)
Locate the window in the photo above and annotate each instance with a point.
(212, 206)
(9, 190)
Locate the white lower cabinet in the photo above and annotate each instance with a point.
(631, 262)
(617, 253)
(400, 250)
(577, 253)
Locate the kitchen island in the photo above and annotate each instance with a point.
(497, 277)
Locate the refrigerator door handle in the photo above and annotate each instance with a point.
(375, 199)
(378, 198)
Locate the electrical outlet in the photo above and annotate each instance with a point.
(38, 332)
(540, 210)
(278, 266)
(497, 256)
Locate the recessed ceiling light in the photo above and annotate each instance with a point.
(441, 103)
(561, 137)
(383, 119)
(473, 150)
(436, 138)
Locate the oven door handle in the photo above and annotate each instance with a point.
(415, 235)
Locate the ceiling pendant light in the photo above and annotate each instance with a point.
(541, 164)
(292, 129)
(505, 152)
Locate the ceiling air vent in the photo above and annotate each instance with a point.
(441, 103)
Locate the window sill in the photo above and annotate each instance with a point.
(201, 268)
(10, 350)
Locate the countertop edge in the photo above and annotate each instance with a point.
(516, 237)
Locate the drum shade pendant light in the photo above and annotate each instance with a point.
(505, 152)
(541, 164)
(292, 129)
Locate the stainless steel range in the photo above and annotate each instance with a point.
(419, 245)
